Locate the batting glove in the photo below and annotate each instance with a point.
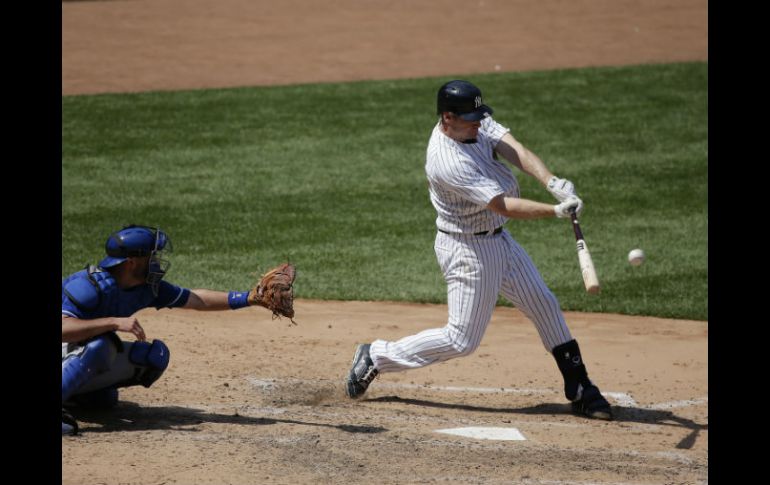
(561, 189)
(571, 204)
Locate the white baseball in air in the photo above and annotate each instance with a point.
(636, 257)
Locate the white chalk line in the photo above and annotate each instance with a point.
(679, 404)
(479, 390)
(620, 398)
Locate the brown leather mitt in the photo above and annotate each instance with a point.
(275, 291)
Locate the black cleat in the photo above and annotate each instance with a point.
(362, 372)
(592, 404)
(69, 427)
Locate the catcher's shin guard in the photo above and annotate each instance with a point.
(154, 357)
(92, 359)
(362, 372)
(585, 396)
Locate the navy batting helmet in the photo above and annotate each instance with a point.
(463, 99)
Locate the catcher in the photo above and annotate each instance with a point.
(100, 301)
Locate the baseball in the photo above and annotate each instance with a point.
(636, 257)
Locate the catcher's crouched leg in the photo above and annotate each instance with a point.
(141, 363)
(152, 358)
(83, 364)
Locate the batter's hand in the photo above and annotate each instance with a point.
(131, 325)
(561, 189)
(571, 204)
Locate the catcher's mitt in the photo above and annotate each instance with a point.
(275, 291)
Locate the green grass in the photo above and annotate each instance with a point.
(331, 177)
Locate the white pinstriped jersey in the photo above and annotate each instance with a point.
(463, 178)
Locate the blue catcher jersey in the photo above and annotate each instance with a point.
(92, 293)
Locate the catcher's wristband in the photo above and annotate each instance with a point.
(238, 299)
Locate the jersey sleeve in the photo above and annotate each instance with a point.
(493, 131)
(171, 296)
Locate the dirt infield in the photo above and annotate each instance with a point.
(250, 400)
(139, 45)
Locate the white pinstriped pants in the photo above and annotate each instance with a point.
(477, 269)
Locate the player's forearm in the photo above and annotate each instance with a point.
(521, 208)
(526, 161)
(533, 166)
(207, 300)
(77, 330)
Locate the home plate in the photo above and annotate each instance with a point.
(481, 433)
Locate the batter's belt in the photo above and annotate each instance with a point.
(482, 233)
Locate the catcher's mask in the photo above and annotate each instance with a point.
(463, 99)
(140, 241)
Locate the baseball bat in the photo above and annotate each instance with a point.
(590, 279)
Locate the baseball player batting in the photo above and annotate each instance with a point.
(99, 301)
(474, 194)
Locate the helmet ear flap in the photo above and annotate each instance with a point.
(162, 241)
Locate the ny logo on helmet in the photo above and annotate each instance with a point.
(478, 101)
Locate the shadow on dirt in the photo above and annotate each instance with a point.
(129, 416)
(621, 414)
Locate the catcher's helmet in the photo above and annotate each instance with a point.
(138, 241)
(463, 99)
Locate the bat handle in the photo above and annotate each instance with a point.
(576, 225)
